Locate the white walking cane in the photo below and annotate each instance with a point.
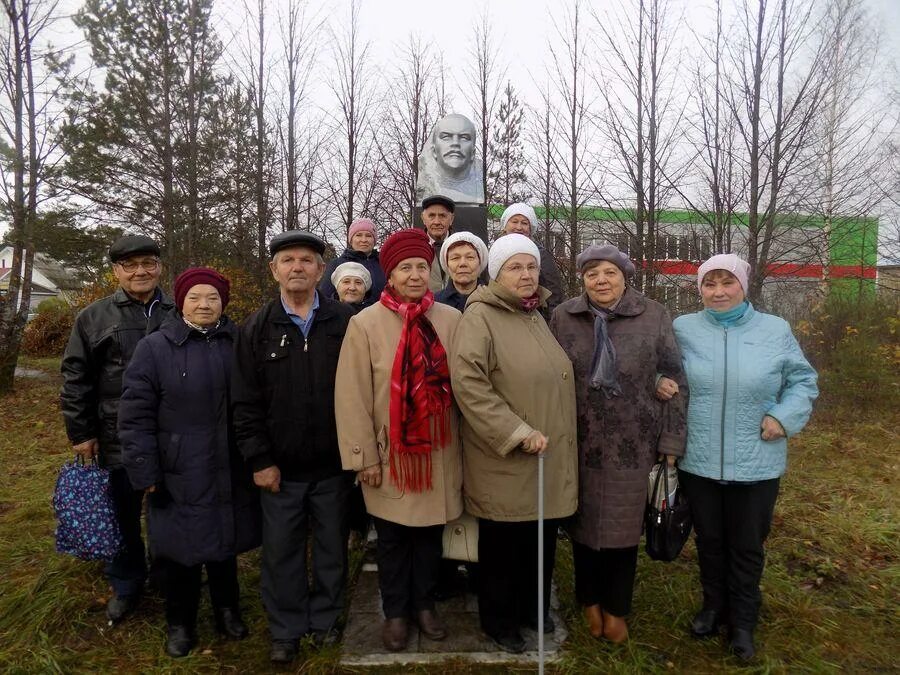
(540, 630)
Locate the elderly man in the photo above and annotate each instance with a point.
(437, 217)
(283, 401)
(101, 345)
(520, 218)
(448, 166)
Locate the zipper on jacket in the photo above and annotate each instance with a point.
(724, 393)
(305, 344)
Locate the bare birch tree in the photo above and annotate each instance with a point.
(486, 75)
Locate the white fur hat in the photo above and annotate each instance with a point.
(506, 247)
(351, 269)
(465, 238)
(519, 209)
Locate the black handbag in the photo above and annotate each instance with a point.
(667, 519)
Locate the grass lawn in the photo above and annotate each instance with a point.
(831, 586)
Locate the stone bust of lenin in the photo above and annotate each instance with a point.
(447, 165)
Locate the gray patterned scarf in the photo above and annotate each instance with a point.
(604, 369)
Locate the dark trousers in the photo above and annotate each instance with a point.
(294, 606)
(128, 570)
(507, 573)
(183, 589)
(605, 577)
(409, 561)
(731, 523)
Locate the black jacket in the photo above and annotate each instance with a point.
(370, 262)
(176, 434)
(102, 343)
(550, 279)
(283, 391)
(448, 295)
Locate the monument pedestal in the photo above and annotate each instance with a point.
(465, 219)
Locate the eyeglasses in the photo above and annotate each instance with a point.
(132, 265)
(518, 269)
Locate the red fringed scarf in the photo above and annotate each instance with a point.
(531, 303)
(420, 394)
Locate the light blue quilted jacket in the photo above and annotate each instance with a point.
(736, 376)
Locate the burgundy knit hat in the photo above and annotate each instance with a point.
(200, 275)
(403, 244)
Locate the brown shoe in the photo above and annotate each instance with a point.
(395, 634)
(614, 628)
(431, 625)
(594, 616)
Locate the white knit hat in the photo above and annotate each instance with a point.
(351, 269)
(729, 262)
(519, 209)
(506, 247)
(465, 238)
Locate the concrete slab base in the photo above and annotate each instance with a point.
(362, 644)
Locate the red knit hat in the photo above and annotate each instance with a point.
(200, 275)
(403, 244)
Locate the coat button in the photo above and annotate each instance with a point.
(272, 355)
(534, 319)
(356, 450)
(565, 376)
(139, 460)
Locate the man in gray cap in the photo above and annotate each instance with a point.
(437, 217)
(101, 345)
(282, 393)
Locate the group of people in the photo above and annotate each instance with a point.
(426, 375)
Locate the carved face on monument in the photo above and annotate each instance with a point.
(453, 144)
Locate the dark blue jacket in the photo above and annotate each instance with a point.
(448, 295)
(176, 434)
(370, 262)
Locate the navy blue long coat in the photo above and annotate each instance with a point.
(175, 427)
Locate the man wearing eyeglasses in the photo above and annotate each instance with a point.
(101, 345)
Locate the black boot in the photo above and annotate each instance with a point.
(230, 624)
(742, 643)
(119, 607)
(180, 641)
(706, 623)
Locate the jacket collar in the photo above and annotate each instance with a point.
(178, 332)
(496, 295)
(744, 320)
(120, 297)
(359, 256)
(325, 311)
(632, 303)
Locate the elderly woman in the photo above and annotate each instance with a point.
(178, 446)
(515, 387)
(352, 282)
(520, 218)
(618, 341)
(750, 389)
(464, 257)
(361, 236)
(397, 428)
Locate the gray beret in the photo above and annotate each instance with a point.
(296, 238)
(606, 252)
(132, 244)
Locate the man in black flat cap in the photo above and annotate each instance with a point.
(437, 217)
(282, 392)
(101, 345)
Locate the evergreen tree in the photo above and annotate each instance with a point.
(506, 181)
(142, 148)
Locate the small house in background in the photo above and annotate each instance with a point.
(49, 279)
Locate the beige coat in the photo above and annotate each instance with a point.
(362, 409)
(510, 377)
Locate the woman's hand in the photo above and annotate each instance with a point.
(535, 443)
(666, 389)
(370, 476)
(771, 429)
